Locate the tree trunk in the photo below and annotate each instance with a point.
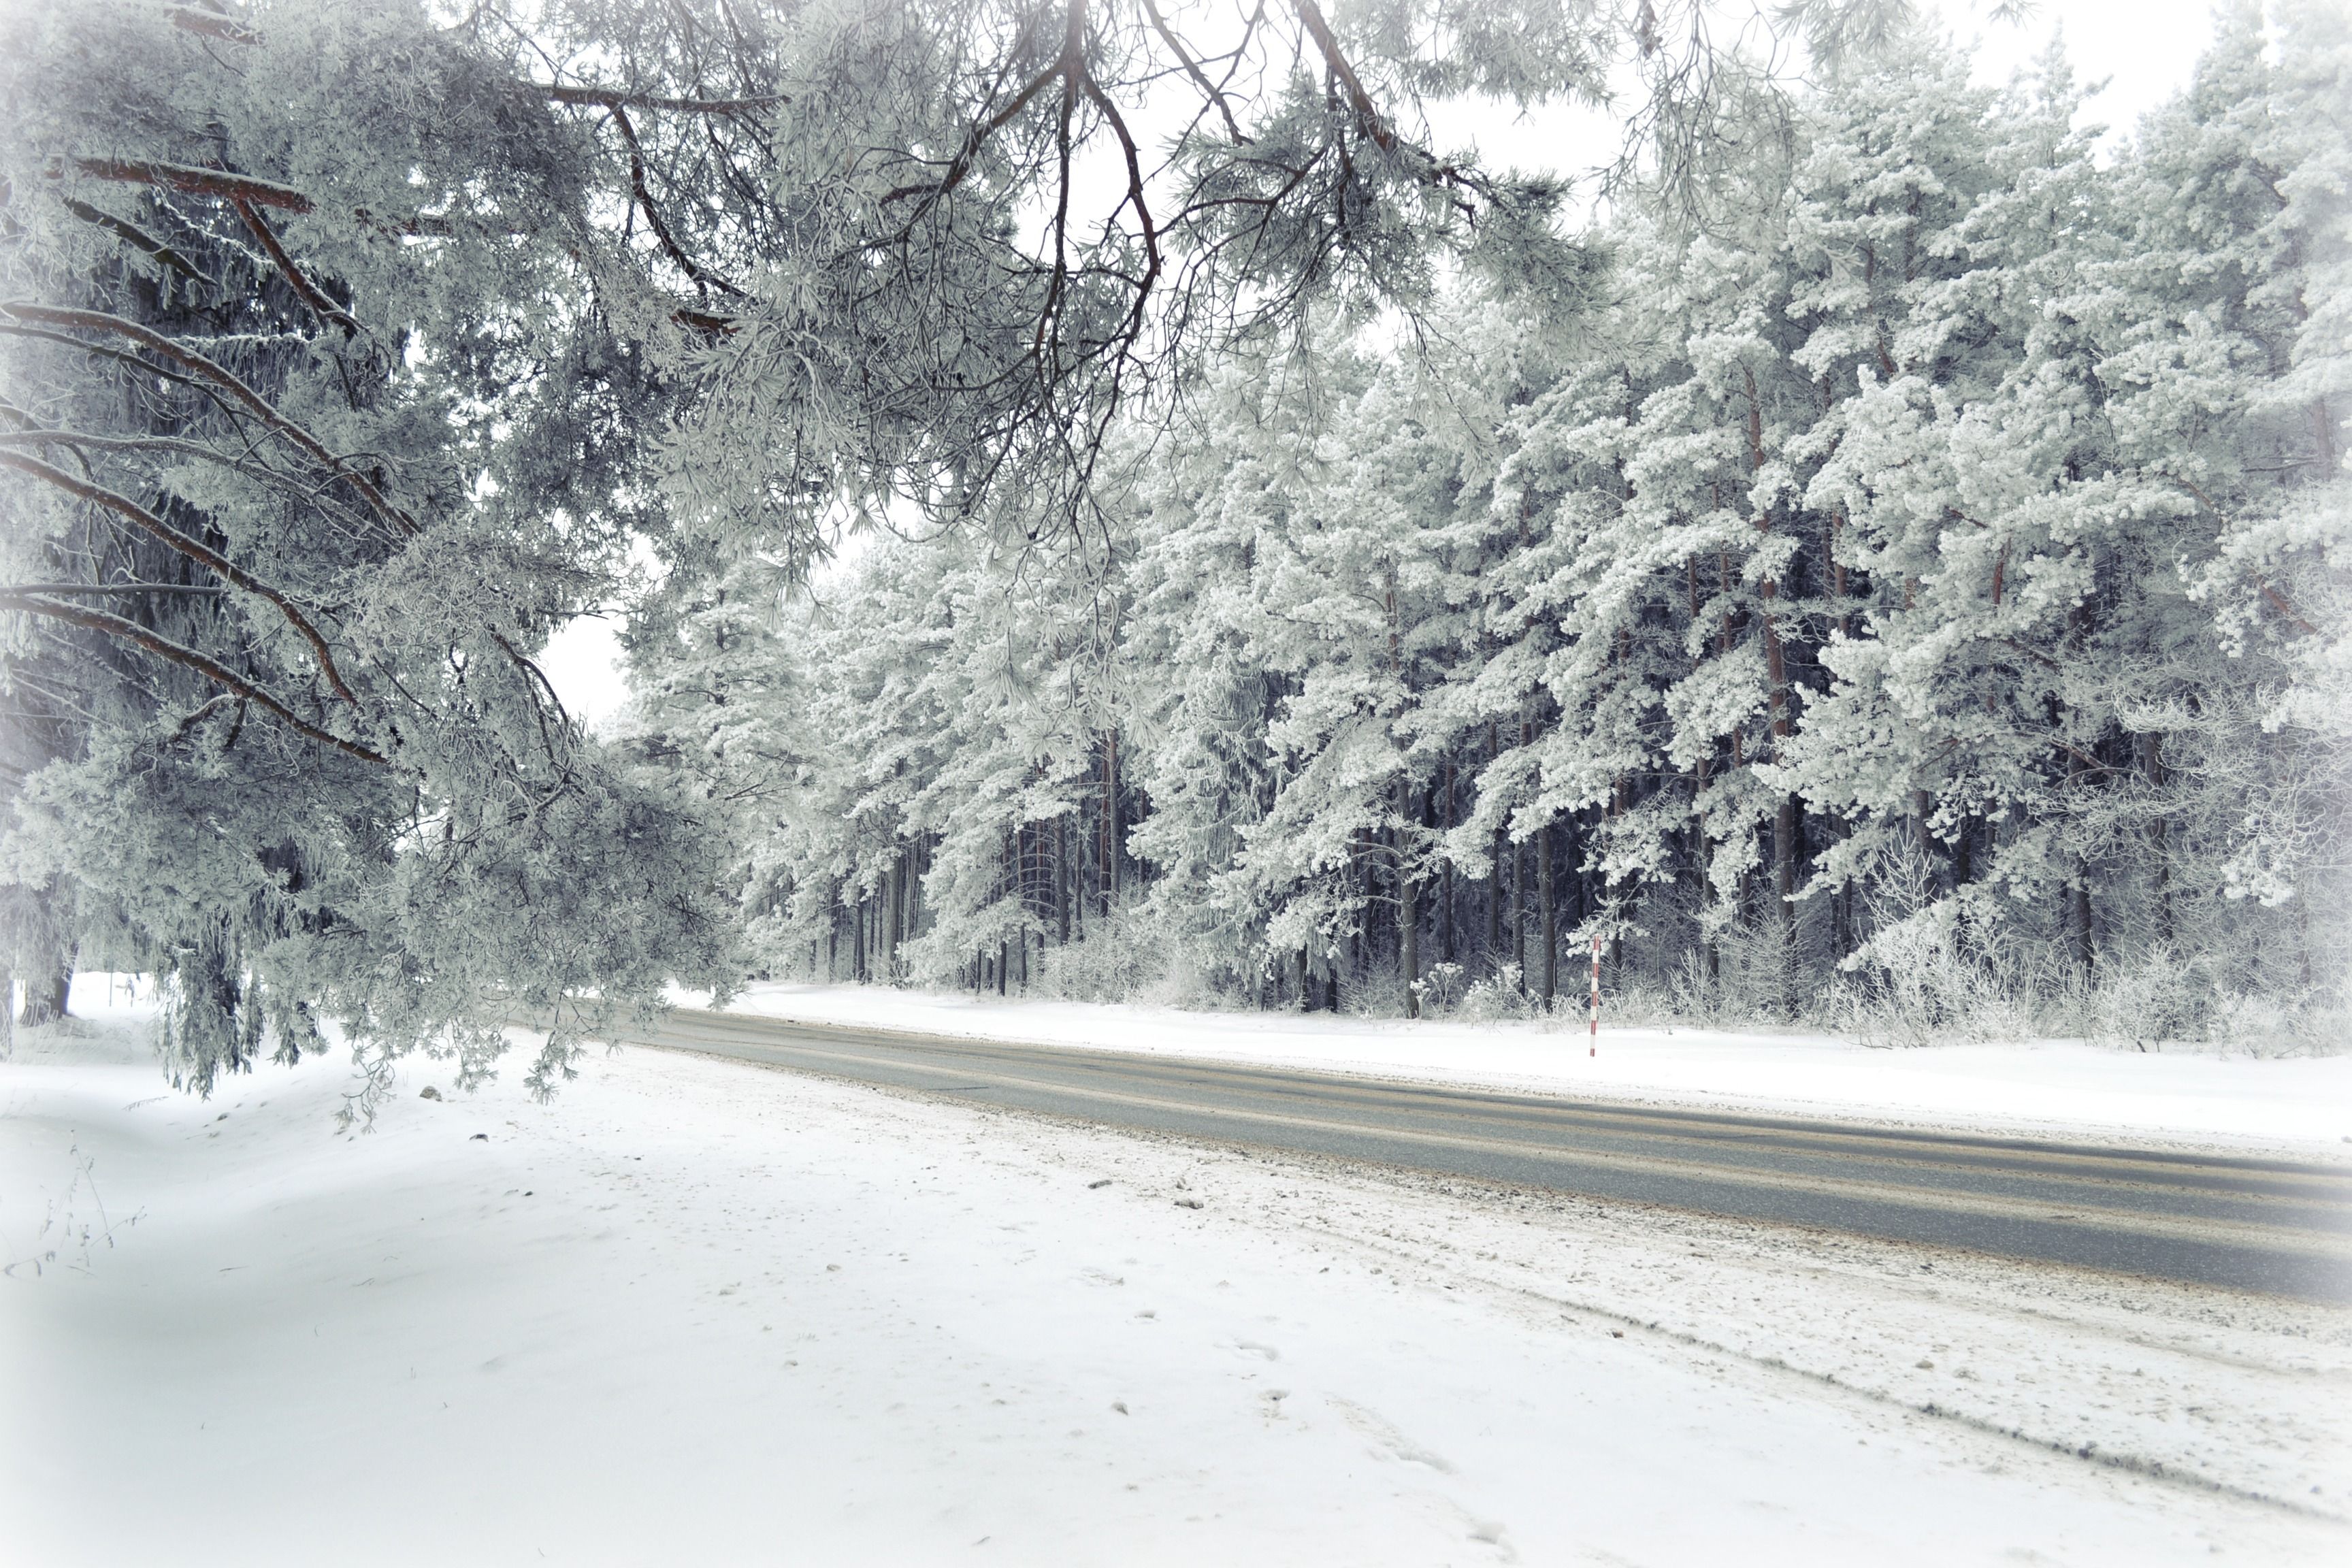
(1519, 913)
(1408, 899)
(2080, 897)
(2159, 835)
(2302, 939)
(1445, 876)
(1109, 820)
(1776, 676)
(1409, 941)
(1495, 905)
(1494, 878)
(46, 989)
(1551, 917)
(1923, 807)
(1061, 884)
(1784, 888)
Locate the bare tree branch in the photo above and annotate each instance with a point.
(76, 590)
(293, 484)
(686, 264)
(1209, 91)
(613, 97)
(1135, 198)
(193, 548)
(211, 24)
(196, 182)
(228, 381)
(202, 664)
(1368, 114)
(959, 167)
(136, 237)
(309, 292)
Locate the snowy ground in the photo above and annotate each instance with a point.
(695, 1312)
(2299, 1105)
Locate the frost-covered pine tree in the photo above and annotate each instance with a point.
(1921, 556)
(309, 439)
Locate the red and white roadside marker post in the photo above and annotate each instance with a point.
(1595, 1049)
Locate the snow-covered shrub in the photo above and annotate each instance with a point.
(1497, 996)
(1442, 989)
(1131, 957)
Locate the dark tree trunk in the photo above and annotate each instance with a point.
(1445, 876)
(46, 989)
(1109, 820)
(2158, 837)
(1061, 883)
(2079, 902)
(1520, 876)
(1408, 902)
(1494, 880)
(1550, 916)
(1409, 941)
(1784, 891)
(1495, 905)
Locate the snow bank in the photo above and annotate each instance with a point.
(2056, 1088)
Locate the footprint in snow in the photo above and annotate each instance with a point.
(1371, 1425)
(1490, 1532)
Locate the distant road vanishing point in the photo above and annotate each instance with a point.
(2276, 1226)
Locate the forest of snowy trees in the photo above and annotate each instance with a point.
(1107, 500)
(1903, 581)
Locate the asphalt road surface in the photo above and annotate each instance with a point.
(2270, 1225)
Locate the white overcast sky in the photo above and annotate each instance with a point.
(2143, 50)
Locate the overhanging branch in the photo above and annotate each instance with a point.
(100, 589)
(308, 292)
(193, 548)
(614, 98)
(195, 182)
(221, 376)
(203, 664)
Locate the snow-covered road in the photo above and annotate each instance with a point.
(697, 1311)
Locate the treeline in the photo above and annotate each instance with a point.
(1924, 563)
